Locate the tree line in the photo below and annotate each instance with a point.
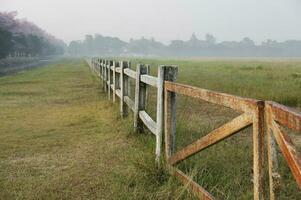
(113, 46)
(18, 37)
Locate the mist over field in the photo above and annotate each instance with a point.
(154, 28)
(150, 99)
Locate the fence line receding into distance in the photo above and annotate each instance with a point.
(264, 117)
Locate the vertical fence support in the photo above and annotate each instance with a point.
(258, 151)
(105, 75)
(274, 175)
(140, 94)
(147, 86)
(100, 70)
(117, 77)
(101, 66)
(109, 79)
(128, 83)
(123, 89)
(168, 73)
(92, 66)
(114, 81)
(97, 67)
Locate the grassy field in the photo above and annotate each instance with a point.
(225, 169)
(266, 79)
(60, 138)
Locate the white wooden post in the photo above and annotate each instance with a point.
(98, 70)
(123, 89)
(104, 75)
(117, 75)
(101, 69)
(106, 81)
(127, 81)
(109, 79)
(168, 73)
(114, 81)
(140, 91)
(147, 86)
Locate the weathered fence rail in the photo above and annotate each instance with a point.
(116, 82)
(258, 114)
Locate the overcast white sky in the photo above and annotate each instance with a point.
(164, 20)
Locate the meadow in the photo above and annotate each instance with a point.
(60, 138)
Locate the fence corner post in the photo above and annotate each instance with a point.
(258, 151)
(274, 175)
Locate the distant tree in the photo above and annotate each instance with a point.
(193, 38)
(247, 42)
(28, 38)
(210, 39)
(6, 43)
(269, 43)
(75, 48)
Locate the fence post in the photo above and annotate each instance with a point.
(117, 76)
(274, 175)
(147, 86)
(108, 75)
(101, 69)
(114, 81)
(258, 151)
(98, 67)
(140, 94)
(106, 80)
(123, 89)
(109, 79)
(169, 73)
(127, 81)
(104, 68)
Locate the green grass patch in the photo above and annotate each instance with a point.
(60, 138)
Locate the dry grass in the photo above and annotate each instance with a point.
(61, 139)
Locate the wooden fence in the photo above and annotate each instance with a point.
(260, 115)
(115, 77)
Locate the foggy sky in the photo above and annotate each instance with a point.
(164, 20)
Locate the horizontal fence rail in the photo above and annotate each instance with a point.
(265, 117)
(252, 111)
(116, 77)
(276, 116)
